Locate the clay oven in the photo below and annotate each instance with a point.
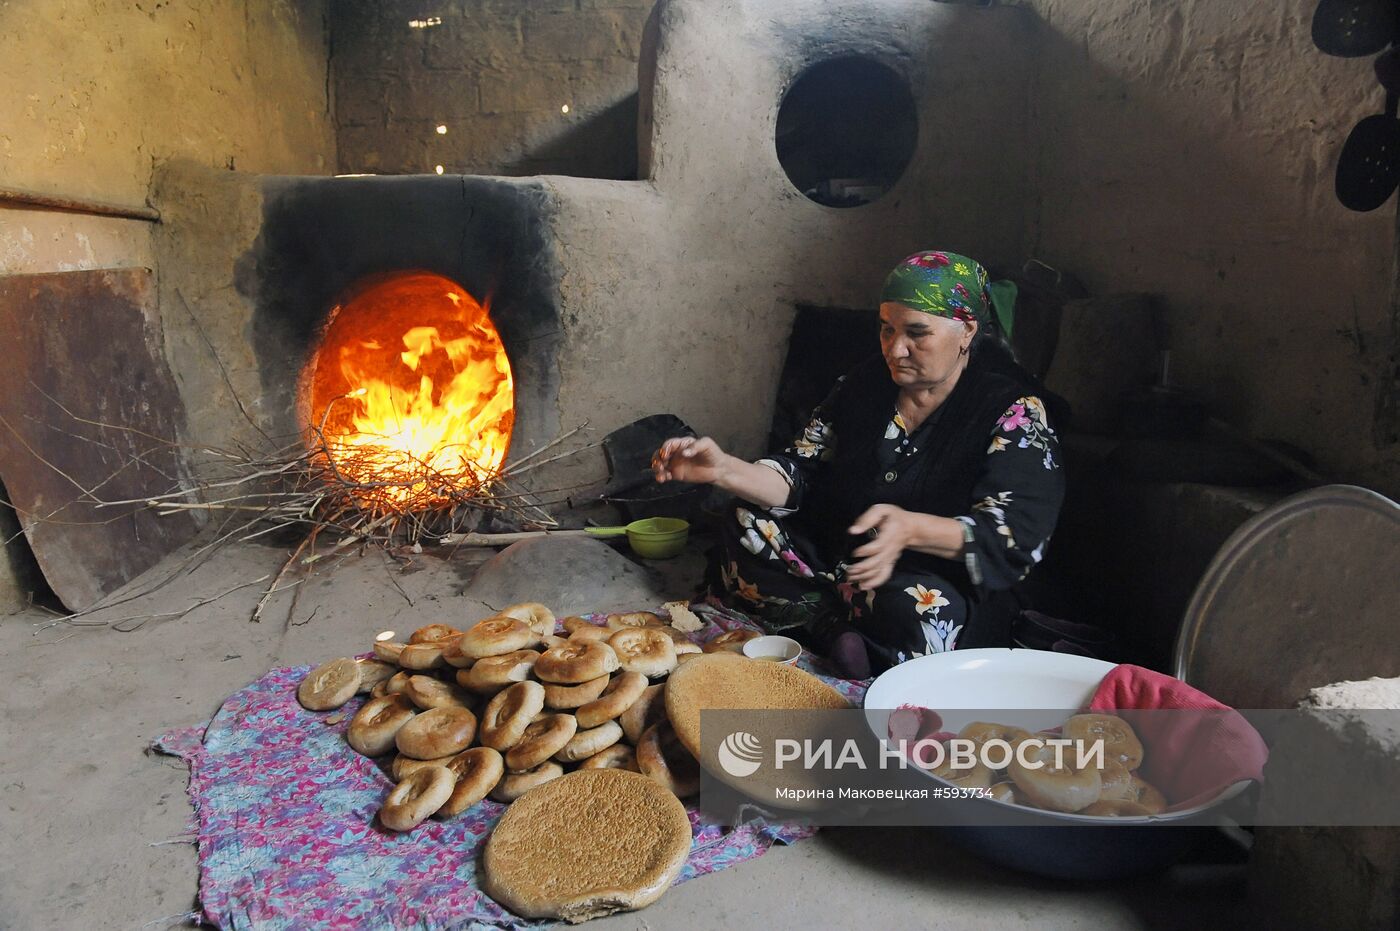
(612, 300)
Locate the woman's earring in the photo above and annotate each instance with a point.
(962, 351)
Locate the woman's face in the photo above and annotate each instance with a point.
(922, 350)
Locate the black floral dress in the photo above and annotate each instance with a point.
(987, 458)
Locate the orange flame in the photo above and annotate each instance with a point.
(420, 402)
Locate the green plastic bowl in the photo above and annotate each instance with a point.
(651, 537)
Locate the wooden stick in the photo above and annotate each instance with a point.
(551, 444)
(272, 589)
(1276, 456)
(502, 539)
(143, 618)
(513, 472)
(74, 205)
(165, 509)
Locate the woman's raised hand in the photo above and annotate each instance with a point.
(689, 459)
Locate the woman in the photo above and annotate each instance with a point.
(927, 480)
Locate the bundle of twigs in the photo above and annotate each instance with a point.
(391, 500)
(394, 500)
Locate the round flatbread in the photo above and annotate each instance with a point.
(728, 680)
(587, 844)
(329, 685)
(719, 681)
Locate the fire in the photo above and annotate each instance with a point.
(412, 390)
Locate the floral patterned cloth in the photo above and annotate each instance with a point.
(946, 284)
(1011, 516)
(777, 568)
(287, 834)
(778, 573)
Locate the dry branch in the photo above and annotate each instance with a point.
(389, 502)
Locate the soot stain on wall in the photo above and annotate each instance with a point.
(320, 237)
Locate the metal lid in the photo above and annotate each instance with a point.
(1302, 594)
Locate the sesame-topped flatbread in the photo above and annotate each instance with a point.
(728, 680)
(587, 844)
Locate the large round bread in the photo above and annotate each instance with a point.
(587, 844)
(724, 680)
(729, 680)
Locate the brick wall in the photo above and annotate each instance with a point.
(497, 75)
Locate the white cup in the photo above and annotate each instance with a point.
(783, 650)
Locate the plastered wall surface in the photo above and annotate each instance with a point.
(1187, 148)
(1180, 147)
(208, 323)
(497, 74)
(97, 93)
(96, 90)
(678, 294)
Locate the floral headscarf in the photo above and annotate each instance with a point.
(946, 284)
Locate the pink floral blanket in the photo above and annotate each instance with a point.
(287, 836)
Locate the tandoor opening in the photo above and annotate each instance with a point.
(411, 391)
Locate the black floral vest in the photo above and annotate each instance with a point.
(938, 479)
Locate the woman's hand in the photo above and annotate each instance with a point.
(895, 531)
(690, 459)
(700, 460)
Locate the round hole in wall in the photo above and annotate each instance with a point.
(847, 128)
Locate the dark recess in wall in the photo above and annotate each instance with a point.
(826, 343)
(14, 548)
(846, 131)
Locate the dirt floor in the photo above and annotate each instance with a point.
(95, 821)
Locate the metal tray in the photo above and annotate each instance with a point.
(1302, 594)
